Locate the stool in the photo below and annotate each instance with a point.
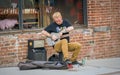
(60, 56)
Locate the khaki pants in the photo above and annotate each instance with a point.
(65, 47)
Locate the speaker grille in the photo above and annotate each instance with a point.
(37, 54)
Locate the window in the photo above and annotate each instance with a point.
(36, 14)
(8, 14)
(74, 10)
(19, 14)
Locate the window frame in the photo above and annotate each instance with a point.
(85, 18)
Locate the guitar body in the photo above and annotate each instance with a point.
(51, 42)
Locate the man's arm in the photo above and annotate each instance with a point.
(69, 29)
(65, 30)
(45, 33)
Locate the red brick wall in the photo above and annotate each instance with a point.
(13, 48)
(105, 13)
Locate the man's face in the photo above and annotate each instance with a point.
(58, 20)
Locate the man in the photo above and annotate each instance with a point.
(62, 27)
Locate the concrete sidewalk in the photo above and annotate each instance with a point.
(109, 66)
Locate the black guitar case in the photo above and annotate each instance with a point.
(42, 65)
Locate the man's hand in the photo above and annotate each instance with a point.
(54, 37)
(60, 34)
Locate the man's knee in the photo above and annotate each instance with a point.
(64, 40)
(78, 45)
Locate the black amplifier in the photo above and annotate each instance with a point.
(36, 50)
(37, 54)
